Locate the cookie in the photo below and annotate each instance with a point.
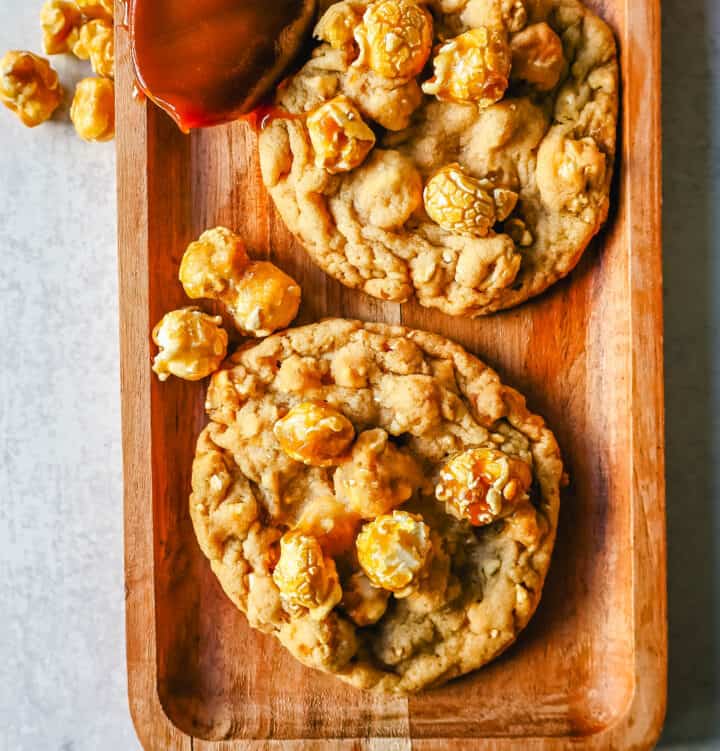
(471, 177)
(376, 499)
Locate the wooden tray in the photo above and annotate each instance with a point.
(590, 670)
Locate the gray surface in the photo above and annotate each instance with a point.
(62, 677)
(62, 673)
(691, 121)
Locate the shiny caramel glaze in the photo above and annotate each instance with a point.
(209, 61)
(261, 116)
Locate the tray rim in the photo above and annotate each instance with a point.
(641, 723)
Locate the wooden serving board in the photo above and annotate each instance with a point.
(590, 670)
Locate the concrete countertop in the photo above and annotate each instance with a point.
(62, 661)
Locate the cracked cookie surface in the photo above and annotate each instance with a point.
(356, 563)
(531, 129)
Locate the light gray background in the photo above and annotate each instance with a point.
(62, 674)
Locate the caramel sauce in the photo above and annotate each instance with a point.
(210, 61)
(262, 115)
(137, 93)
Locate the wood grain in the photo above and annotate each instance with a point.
(590, 670)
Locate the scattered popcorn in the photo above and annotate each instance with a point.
(29, 87)
(93, 109)
(192, 345)
(96, 43)
(260, 297)
(60, 21)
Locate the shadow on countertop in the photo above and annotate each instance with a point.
(691, 216)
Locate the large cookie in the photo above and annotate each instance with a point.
(547, 146)
(298, 546)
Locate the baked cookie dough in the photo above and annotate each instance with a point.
(376, 499)
(471, 176)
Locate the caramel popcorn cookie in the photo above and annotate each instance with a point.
(460, 151)
(376, 499)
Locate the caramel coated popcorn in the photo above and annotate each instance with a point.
(337, 25)
(393, 551)
(537, 56)
(260, 297)
(93, 109)
(104, 9)
(472, 68)
(265, 300)
(213, 264)
(395, 38)
(29, 87)
(305, 576)
(340, 137)
(464, 205)
(60, 21)
(96, 43)
(483, 484)
(314, 433)
(192, 345)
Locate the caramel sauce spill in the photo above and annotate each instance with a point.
(261, 116)
(210, 61)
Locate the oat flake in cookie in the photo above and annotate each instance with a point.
(490, 166)
(376, 499)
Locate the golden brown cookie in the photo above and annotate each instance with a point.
(376, 499)
(489, 169)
